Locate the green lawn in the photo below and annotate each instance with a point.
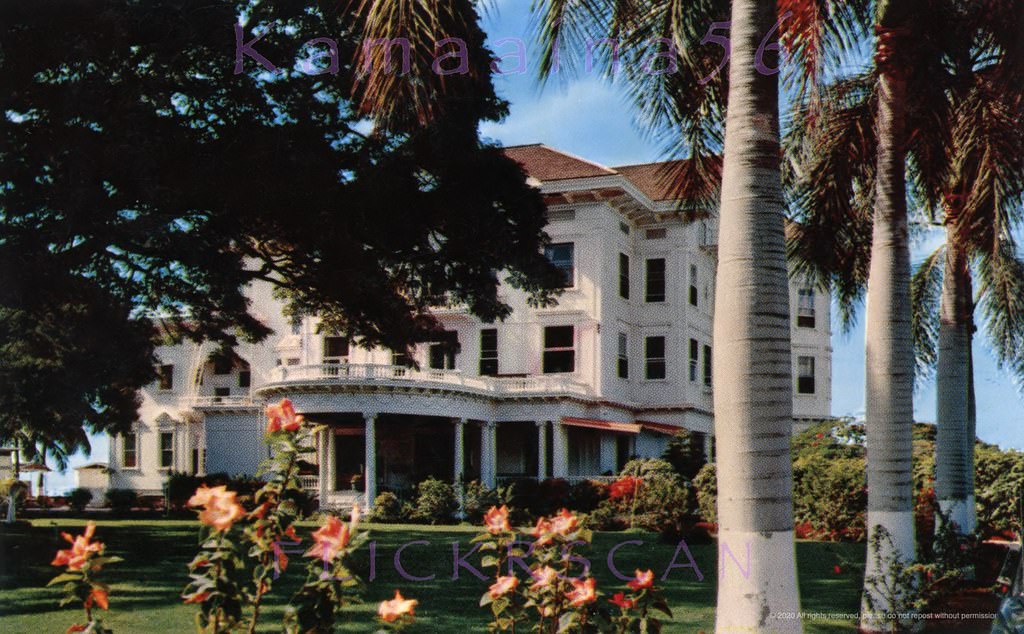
(145, 587)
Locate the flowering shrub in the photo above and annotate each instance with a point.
(235, 569)
(82, 561)
(550, 599)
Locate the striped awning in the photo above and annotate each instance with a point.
(604, 425)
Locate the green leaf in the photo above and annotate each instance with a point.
(67, 576)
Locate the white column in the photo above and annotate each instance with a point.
(324, 474)
(332, 462)
(542, 450)
(560, 450)
(488, 449)
(459, 475)
(709, 444)
(370, 486)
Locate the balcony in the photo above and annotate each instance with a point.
(396, 375)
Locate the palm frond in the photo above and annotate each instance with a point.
(1001, 275)
(829, 177)
(925, 297)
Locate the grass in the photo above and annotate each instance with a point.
(145, 588)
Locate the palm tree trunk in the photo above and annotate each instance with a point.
(889, 355)
(752, 373)
(971, 518)
(952, 468)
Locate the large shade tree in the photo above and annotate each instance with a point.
(164, 157)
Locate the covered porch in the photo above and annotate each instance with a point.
(362, 454)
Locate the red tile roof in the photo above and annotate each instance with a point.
(547, 164)
(657, 181)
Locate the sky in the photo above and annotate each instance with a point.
(585, 116)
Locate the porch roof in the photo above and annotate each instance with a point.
(605, 425)
(661, 428)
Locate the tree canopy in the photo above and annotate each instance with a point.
(142, 179)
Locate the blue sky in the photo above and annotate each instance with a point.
(585, 116)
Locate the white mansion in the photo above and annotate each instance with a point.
(571, 391)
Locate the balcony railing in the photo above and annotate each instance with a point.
(226, 402)
(342, 373)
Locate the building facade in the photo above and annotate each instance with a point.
(570, 391)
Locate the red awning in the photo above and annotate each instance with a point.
(661, 428)
(605, 425)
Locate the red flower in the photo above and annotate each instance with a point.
(220, 510)
(642, 581)
(543, 577)
(198, 597)
(819, 435)
(836, 569)
(496, 520)
(620, 600)
(282, 417)
(625, 487)
(77, 627)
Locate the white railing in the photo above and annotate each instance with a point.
(220, 401)
(311, 483)
(366, 373)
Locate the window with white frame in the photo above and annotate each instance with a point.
(623, 356)
(693, 285)
(655, 281)
(805, 375)
(805, 317)
(654, 358)
(335, 349)
(562, 255)
(130, 450)
(489, 352)
(559, 350)
(623, 276)
(442, 351)
(166, 449)
(707, 366)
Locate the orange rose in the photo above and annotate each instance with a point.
(330, 539)
(542, 531)
(392, 610)
(496, 520)
(642, 580)
(582, 593)
(81, 549)
(564, 523)
(503, 586)
(220, 510)
(543, 577)
(282, 417)
(98, 595)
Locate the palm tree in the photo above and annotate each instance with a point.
(856, 152)
(978, 202)
(753, 397)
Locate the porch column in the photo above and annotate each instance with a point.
(370, 485)
(488, 449)
(332, 463)
(559, 450)
(709, 447)
(322, 469)
(460, 469)
(542, 450)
